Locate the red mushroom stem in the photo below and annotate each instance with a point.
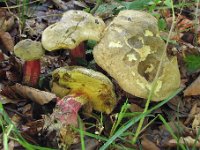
(67, 110)
(31, 72)
(1, 57)
(77, 53)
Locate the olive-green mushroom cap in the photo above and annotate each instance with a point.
(74, 27)
(29, 50)
(131, 51)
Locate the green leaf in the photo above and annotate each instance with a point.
(137, 4)
(107, 8)
(168, 3)
(162, 24)
(192, 62)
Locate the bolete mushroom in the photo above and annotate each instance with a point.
(87, 85)
(77, 86)
(31, 52)
(74, 28)
(131, 50)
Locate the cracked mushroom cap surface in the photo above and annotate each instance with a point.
(131, 50)
(29, 50)
(74, 27)
(94, 87)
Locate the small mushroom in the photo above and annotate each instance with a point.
(131, 50)
(77, 86)
(74, 28)
(31, 52)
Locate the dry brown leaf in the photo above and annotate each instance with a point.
(6, 20)
(148, 145)
(177, 128)
(135, 108)
(16, 119)
(184, 24)
(189, 141)
(40, 97)
(196, 122)
(193, 89)
(193, 111)
(5, 100)
(90, 144)
(60, 4)
(7, 41)
(11, 145)
(33, 127)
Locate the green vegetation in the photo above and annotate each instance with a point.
(10, 132)
(192, 62)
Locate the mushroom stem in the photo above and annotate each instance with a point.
(67, 109)
(77, 53)
(31, 72)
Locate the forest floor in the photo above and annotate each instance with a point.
(26, 110)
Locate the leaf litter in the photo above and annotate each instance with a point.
(27, 106)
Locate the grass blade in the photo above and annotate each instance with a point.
(136, 119)
(171, 131)
(81, 131)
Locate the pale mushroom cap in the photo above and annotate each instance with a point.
(29, 50)
(130, 52)
(74, 27)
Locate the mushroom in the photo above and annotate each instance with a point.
(74, 28)
(87, 85)
(31, 52)
(77, 86)
(131, 50)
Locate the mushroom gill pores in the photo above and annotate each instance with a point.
(131, 51)
(93, 87)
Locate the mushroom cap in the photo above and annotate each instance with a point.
(74, 27)
(29, 50)
(92, 86)
(131, 50)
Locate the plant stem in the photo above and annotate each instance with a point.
(154, 81)
(5, 137)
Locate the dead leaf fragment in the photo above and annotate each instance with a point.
(5, 100)
(148, 145)
(6, 20)
(90, 144)
(191, 115)
(184, 23)
(40, 97)
(7, 41)
(189, 141)
(136, 108)
(196, 122)
(193, 89)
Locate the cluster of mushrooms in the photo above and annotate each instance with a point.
(129, 49)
